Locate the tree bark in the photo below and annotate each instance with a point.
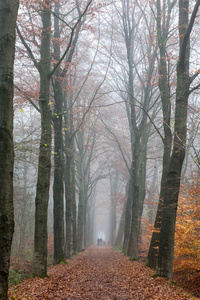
(113, 217)
(133, 239)
(59, 252)
(81, 221)
(142, 170)
(39, 267)
(68, 197)
(82, 193)
(74, 214)
(120, 233)
(58, 188)
(166, 249)
(127, 225)
(162, 35)
(8, 16)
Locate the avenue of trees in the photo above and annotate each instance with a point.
(104, 137)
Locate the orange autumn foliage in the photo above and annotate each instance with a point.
(187, 236)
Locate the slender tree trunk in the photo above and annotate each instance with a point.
(127, 225)
(74, 245)
(113, 221)
(59, 251)
(69, 178)
(142, 171)
(133, 239)
(23, 232)
(90, 226)
(85, 217)
(120, 233)
(8, 16)
(81, 203)
(132, 249)
(44, 165)
(74, 214)
(80, 233)
(68, 197)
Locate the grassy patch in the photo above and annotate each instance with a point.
(64, 262)
(174, 282)
(133, 258)
(155, 275)
(146, 265)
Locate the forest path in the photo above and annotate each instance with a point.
(98, 273)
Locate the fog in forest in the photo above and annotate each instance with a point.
(106, 132)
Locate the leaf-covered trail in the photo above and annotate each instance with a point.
(98, 273)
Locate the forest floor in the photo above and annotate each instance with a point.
(98, 273)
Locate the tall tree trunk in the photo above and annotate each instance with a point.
(90, 225)
(23, 221)
(155, 239)
(82, 200)
(68, 197)
(8, 16)
(133, 239)
(70, 203)
(162, 35)
(113, 217)
(166, 248)
(74, 214)
(81, 204)
(44, 166)
(85, 217)
(132, 249)
(58, 211)
(112, 220)
(142, 170)
(58, 188)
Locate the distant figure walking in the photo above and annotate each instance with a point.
(108, 243)
(98, 241)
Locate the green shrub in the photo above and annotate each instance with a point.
(14, 277)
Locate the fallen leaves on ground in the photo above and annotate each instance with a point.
(189, 279)
(98, 273)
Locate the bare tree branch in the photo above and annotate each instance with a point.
(28, 98)
(120, 148)
(70, 41)
(189, 29)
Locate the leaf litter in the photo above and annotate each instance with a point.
(98, 273)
